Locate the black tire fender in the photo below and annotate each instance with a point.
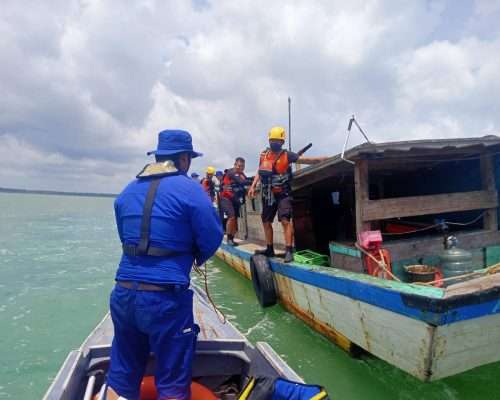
(263, 281)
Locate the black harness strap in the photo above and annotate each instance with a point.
(143, 248)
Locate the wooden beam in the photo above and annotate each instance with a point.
(361, 191)
(405, 249)
(310, 161)
(373, 210)
(488, 183)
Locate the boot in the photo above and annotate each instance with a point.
(288, 254)
(230, 241)
(268, 252)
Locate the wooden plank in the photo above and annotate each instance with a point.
(361, 191)
(345, 250)
(399, 340)
(255, 230)
(402, 287)
(488, 183)
(346, 257)
(464, 345)
(307, 177)
(478, 284)
(347, 263)
(429, 246)
(373, 210)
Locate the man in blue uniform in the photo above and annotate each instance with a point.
(165, 222)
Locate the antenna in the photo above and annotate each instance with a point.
(289, 123)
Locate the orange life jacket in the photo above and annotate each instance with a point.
(274, 170)
(209, 187)
(229, 186)
(374, 268)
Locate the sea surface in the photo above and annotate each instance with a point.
(58, 255)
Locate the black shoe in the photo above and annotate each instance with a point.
(231, 242)
(268, 252)
(288, 256)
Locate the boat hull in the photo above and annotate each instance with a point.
(386, 319)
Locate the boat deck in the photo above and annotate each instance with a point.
(211, 327)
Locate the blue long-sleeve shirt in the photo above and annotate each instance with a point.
(182, 219)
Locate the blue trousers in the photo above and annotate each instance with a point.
(158, 322)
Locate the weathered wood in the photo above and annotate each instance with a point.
(346, 257)
(464, 345)
(347, 263)
(423, 350)
(317, 173)
(255, 230)
(399, 340)
(373, 210)
(479, 283)
(307, 161)
(488, 183)
(429, 246)
(361, 191)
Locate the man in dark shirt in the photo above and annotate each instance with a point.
(232, 196)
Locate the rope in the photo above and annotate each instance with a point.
(437, 225)
(380, 263)
(204, 274)
(493, 269)
(410, 232)
(467, 223)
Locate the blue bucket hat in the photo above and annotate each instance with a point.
(219, 173)
(173, 141)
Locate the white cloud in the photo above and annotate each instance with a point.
(88, 84)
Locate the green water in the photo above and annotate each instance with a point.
(57, 261)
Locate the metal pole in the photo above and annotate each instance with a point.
(346, 140)
(361, 130)
(289, 123)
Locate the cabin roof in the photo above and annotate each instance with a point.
(398, 152)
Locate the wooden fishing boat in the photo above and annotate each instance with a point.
(224, 359)
(408, 191)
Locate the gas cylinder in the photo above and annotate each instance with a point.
(455, 261)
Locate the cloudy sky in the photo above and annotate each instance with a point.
(86, 85)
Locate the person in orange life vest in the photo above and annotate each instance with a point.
(232, 196)
(209, 182)
(275, 174)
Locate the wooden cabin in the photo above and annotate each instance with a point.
(404, 189)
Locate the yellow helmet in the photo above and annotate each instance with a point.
(277, 132)
(210, 170)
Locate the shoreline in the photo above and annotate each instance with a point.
(55, 192)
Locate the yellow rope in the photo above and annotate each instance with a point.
(247, 390)
(493, 269)
(320, 395)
